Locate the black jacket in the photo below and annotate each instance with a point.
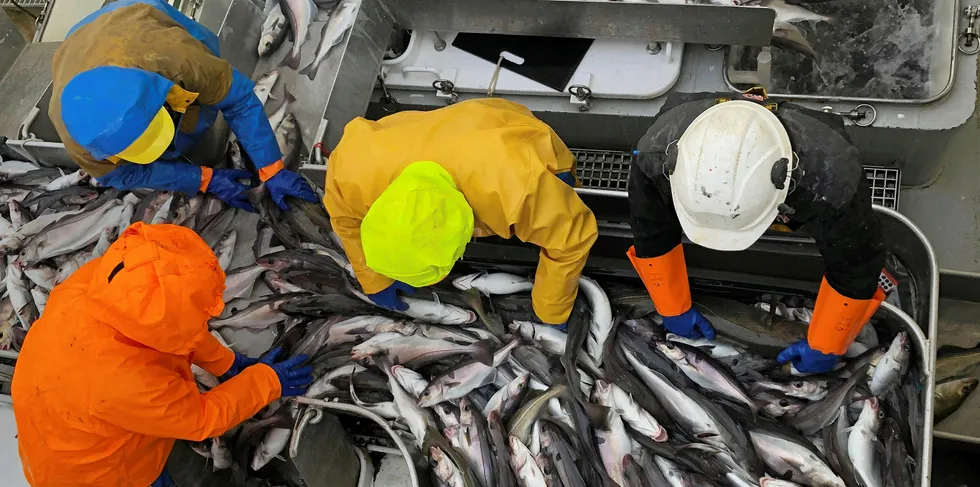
(830, 199)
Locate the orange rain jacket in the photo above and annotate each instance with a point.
(502, 159)
(103, 383)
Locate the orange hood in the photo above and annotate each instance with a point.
(158, 285)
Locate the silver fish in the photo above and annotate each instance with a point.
(70, 179)
(259, 315)
(71, 265)
(340, 22)
(412, 351)
(290, 141)
(411, 381)
(205, 380)
(220, 453)
(16, 240)
(163, 213)
(475, 441)
(550, 338)
(286, 107)
(495, 283)
(614, 446)
(862, 444)
(323, 384)
(892, 366)
(522, 461)
(507, 398)
(72, 233)
(239, 282)
(740, 361)
(674, 474)
(274, 30)
(815, 415)
(447, 472)
(621, 403)
(602, 319)
(42, 275)
(18, 214)
(786, 452)
(706, 372)
(265, 83)
(791, 13)
(360, 327)
(300, 14)
(437, 312)
(803, 388)
(225, 249)
(272, 445)
(775, 404)
(20, 296)
(106, 238)
(417, 419)
(386, 410)
(40, 297)
(463, 377)
(11, 169)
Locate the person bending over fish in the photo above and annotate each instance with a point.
(407, 192)
(103, 383)
(137, 84)
(722, 171)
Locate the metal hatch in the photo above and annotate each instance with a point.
(895, 51)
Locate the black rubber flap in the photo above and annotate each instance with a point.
(550, 61)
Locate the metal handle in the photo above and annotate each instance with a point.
(447, 88)
(858, 115)
(388, 102)
(968, 42)
(583, 94)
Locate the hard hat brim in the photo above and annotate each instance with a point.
(721, 239)
(154, 141)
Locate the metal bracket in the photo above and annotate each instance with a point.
(388, 102)
(581, 93)
(968, 42)
(863, 115)
(446, 89)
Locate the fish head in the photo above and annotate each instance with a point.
(465, 283)
(466, 411)
(523, 328)
(968, 385)
(669, 349)
(520, 383)
(265, 43)
(431, 396)
(601, 392)
(782, 406)
(905, 347)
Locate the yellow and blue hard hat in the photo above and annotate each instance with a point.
(119, 112)
(419, 226)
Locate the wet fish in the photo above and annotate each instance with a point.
(71, 234)
(71, 265)
(707, 372)
(42, 275)
(447, 472)
(225, 249)
(259, 315)
(463, 377)
(66, 181)
(522, 461)
(239, 282)
(520, 424)
(19, 293)
(495, 283)
(300, 14)
(290, 141)
(16, 240)
(775, 404)
(18, 214)
(340, 22)
(835, 448)
(265, 83)
(898, 465)
(809, 388)
(789, 37)
(40, 298)
(949, 395)
(815, 415)
(614, 447)
(740, 361)
(621, 403)
(411, 381)
(790, 13)
(602, 319)
(413, 351)
(274, 30)
(284, 108)
(220, 453)
(755, 330)
(793, 456)
(559, 448)
(475, 441)
(892, 366)
(506, 400)
(437, 312)
(862, 444)
(955, 361)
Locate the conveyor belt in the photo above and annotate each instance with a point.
(608, 171)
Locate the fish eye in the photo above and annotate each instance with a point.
(798, 385)
(907, 348)
(735, 361)
(670, 346)
(881, 414)
(425, 393)
(784, 402)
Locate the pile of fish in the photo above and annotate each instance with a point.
(485, 394)
(295, 18)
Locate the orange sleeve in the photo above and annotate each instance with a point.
(665, 278)
(212, 356)
(157, 402)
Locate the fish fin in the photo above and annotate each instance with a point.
(291, 60)
(435, 299)
(484, 352)
(311, 70)
(598, 415)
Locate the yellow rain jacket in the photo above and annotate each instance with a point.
(502, 159)
(103, 384)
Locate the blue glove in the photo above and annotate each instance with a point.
(388, 298)
(808, 360)
(241, 361)
(294, 377)
(163, 480)
(566, 177)
(287, 183)
(226, 186)
(690, 324)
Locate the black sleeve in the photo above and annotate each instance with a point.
(850, 241)
(656, 229)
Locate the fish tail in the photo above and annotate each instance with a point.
(291, 61)
(483, 352)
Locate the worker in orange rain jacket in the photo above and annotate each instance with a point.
(103, 383)
(406, 194)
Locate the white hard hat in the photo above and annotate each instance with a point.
(733, 170)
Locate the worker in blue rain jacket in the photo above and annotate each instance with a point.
(136, 84)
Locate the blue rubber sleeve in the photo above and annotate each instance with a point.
(246, 116)
(160, 175)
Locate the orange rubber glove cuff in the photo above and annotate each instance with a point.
(206, 173)
(267, 172)
(837, 319)
(665, 278)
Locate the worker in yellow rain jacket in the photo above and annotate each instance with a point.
(406, 194)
